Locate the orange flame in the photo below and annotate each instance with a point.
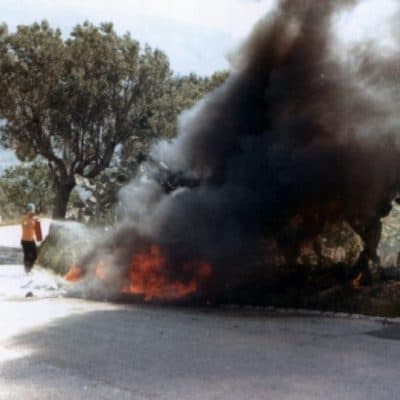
(356, 282)
(74, 274)
(147, 278)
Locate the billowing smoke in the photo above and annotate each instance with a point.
(302, 134)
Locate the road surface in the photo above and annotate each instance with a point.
(53, 347)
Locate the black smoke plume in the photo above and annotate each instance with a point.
(303, 134)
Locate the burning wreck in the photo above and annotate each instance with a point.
(302, 137)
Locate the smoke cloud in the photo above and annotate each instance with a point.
(302, 134)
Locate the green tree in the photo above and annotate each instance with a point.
(188, 90)
(182, 93)
(74, 101)
(102, 195)
(23, 184)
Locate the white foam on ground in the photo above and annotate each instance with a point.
(14, 282)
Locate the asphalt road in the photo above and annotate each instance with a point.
(56, 348)
(60, 348)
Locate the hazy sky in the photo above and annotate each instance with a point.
(196, 34)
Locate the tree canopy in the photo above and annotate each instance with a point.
(73, 101)
(25, 184)
(88, 101)
(182, 94)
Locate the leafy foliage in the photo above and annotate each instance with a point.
(77, 102)
(73, 102)
(22, 184)
(182, 94)
(389, 245)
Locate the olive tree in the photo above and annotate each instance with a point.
(74, 101)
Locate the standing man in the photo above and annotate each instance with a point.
(30, 231)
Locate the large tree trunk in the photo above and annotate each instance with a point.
(63, 191)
